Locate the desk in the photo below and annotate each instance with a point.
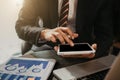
(60, 61)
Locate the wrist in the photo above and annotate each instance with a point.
(42, 34)
(41, 37)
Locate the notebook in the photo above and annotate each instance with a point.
(19, 68)
(80, 70)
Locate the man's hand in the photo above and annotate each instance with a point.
(63, 34)
(91, 55)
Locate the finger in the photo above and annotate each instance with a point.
(72, 56)
(66, 38)
(59, 37)
(68, 31)
(79, 56)
(75, 35)
(94, 46)
(92, 55)
(56, 48)
(53, 39)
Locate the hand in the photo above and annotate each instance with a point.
(63, 34)
(91, 55)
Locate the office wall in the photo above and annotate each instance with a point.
(9, 42)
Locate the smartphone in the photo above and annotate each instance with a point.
(78, 48)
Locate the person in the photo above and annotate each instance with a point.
(114, 71)
(116, 28)
(89, 21)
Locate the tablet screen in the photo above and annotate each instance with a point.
(76, 47)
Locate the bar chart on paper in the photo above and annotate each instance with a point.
(26, 69)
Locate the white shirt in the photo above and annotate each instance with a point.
(72, 13)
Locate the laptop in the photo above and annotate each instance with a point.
(81, 70)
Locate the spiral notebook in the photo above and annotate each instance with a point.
(19, 68)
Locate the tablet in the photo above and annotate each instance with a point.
(78, 48)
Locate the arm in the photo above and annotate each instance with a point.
(27, 24)
(114, 72)
(28, 30)
(103, 28)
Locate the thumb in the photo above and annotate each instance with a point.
(56, 48)
(94, 46)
